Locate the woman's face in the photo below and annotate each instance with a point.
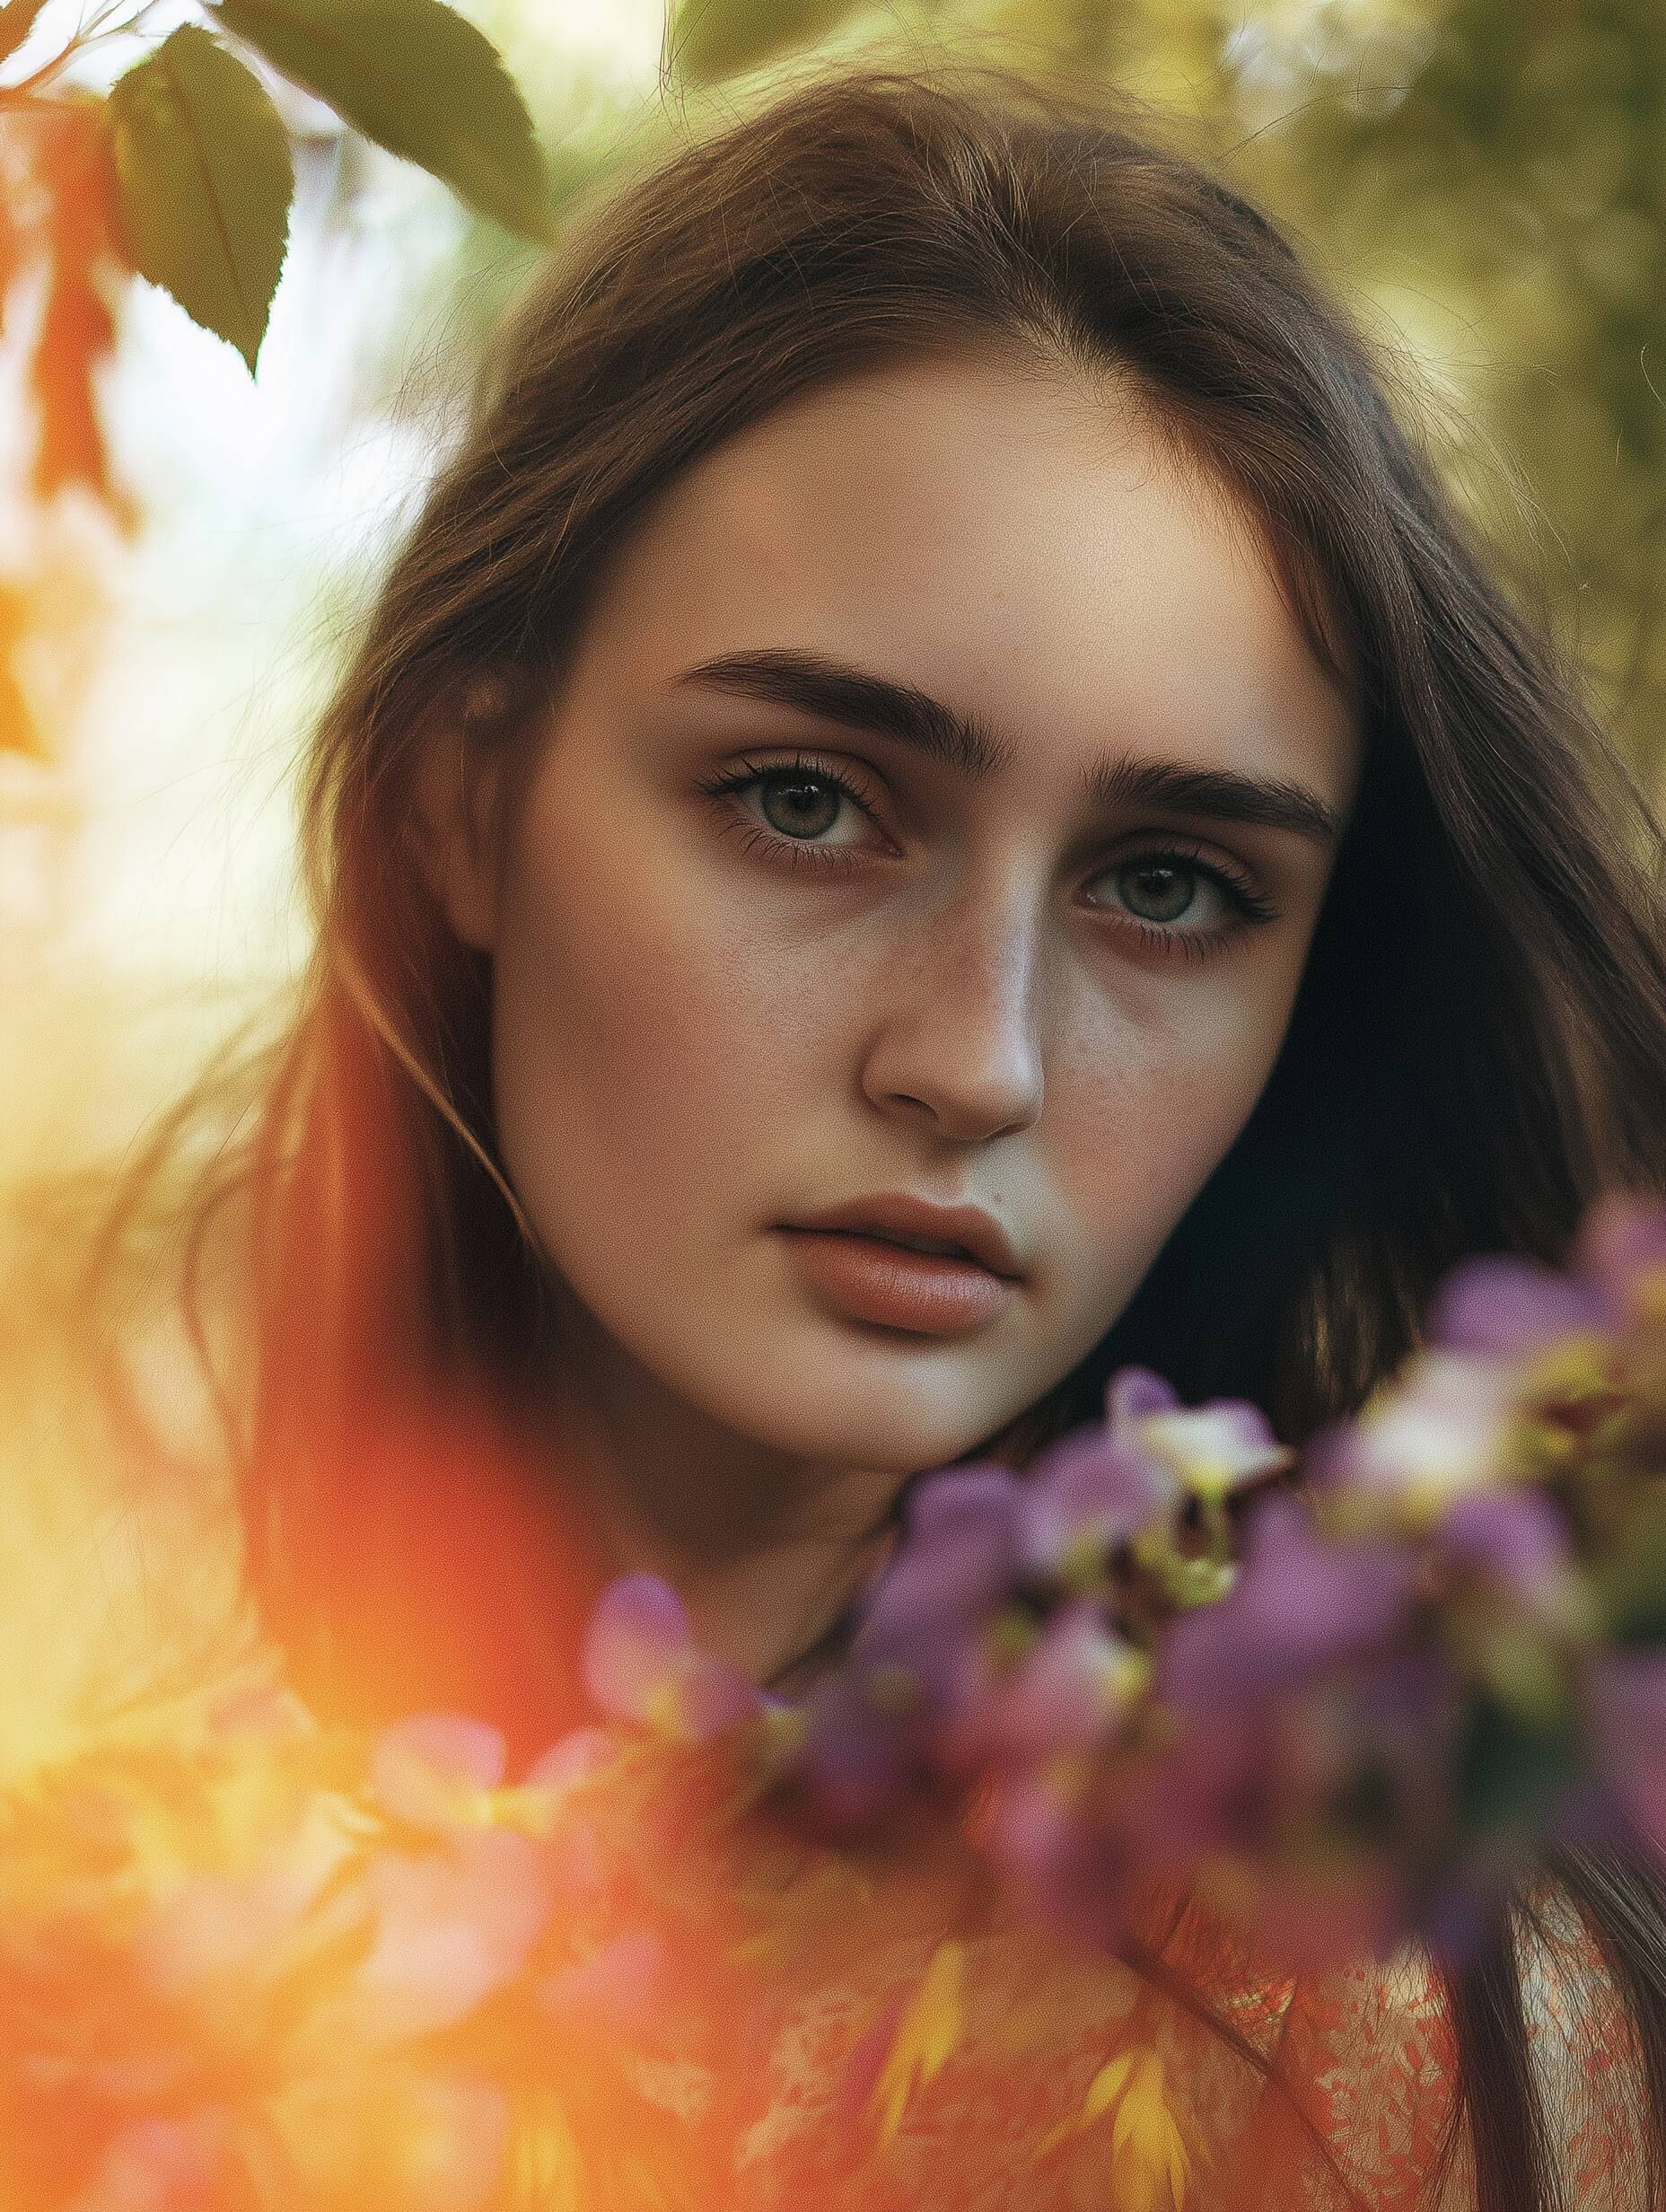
(1038, 986)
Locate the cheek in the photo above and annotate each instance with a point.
(1143, 1117)
(638, 1045)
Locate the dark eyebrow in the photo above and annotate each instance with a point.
(852, 697)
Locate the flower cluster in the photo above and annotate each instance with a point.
(1347, 1700)
(269, 1963)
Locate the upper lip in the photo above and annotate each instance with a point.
(895, 1213)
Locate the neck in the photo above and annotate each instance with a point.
(765, 1550)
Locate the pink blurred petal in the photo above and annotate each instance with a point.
(954, 1561)
(1300, 1603)
(1217, 1446)
(158, 2165)
(452, 1927)
(423, 1769)
(958, 1497)
(1628, 1716)
(710, 1697)
(620, 1986)
(1440, 1431)
(1519, 1538)
(579, 1756)
(855, 1756)
(1622, 1244)
(1084, 1494)
(637, 1641)
(1037, 1833)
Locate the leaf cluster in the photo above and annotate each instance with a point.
(189, 159)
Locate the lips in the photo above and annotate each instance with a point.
(899, 1218)
(869, 1278)
(915, 1244)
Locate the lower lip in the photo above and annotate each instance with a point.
(873, 1281)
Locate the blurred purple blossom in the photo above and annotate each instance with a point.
(1085, 1494)
(956, 1558)
(1621, 1246)
(1344, 1715)
(1497, 1308)
(1039, 1833)
(1440, 1431)
(1131, 1395)
(641, 1663)
(865, 1733)
(1516, 1537)
(1301, 1601)
(1628, 1724)
(1209, 1450)
(1068, 1692)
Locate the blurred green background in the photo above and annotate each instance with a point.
(1483, 181)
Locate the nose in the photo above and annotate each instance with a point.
(957, 1043)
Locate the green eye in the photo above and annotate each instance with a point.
(800, 806)
(1158, 889)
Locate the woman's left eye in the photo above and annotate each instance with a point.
(1160, 887)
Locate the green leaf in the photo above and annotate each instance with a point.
(716, 39)
(416, 78)
(17, 19)
(204, 182)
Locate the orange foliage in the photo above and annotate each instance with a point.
(77, 232)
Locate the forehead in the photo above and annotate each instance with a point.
(1016, 541)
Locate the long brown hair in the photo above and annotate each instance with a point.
(1479, 1045)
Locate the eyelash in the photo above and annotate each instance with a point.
(1250, 908)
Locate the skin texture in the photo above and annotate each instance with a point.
(696, 1040)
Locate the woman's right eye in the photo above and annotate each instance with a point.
(799, 802)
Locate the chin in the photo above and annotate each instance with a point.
(900, 1443)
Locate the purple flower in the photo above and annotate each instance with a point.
(864, 1736)
(641, 1664)
(1070, 1691)
(955, 1560)
(1301, 1601)
(1209, 1450)
(1084, 1494)
(919, 1661)
(1502, 1308)
(1621, 1247)
(1440, 1431)
(1518, 1539)
(1131, 1394)
(1040, 1832)
(1629, 1726)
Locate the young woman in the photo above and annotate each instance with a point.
(935, 697)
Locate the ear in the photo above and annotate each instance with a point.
(456, 794)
